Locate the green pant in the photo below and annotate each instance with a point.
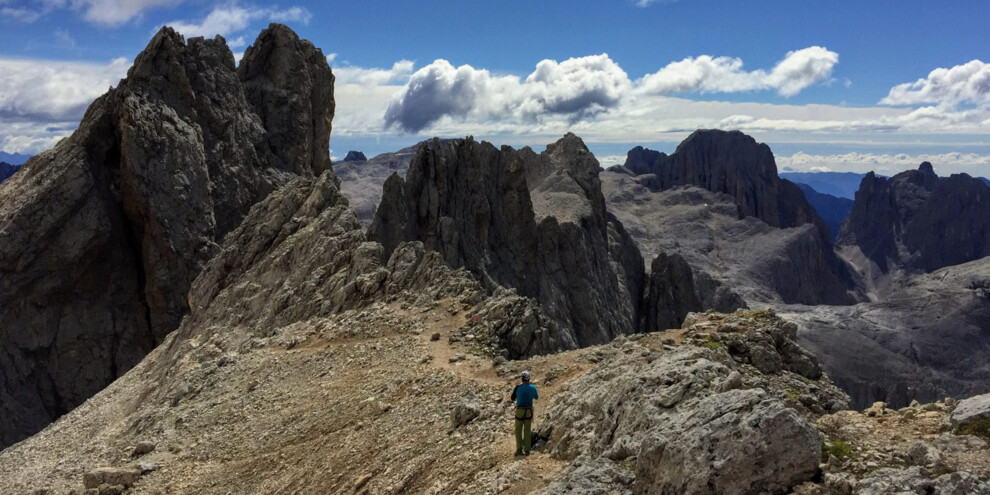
(524, 424)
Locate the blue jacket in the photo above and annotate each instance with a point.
(524, 394)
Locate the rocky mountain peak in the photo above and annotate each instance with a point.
(735, 165)
(918, 220)
(109, 229)
(533, 223)
(290, 87)
(355, 156)
(640, 160)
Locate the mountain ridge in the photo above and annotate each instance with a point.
(111, 227)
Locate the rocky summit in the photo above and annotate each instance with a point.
(535, 223)
(917, 221)
(720, 191)
(105, 233)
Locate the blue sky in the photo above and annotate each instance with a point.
(838, 85)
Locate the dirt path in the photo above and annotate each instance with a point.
(549, 374)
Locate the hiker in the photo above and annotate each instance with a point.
(524, 394)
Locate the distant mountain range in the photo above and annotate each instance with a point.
(838, 184)
(6, 170)
(832, 209)
(13, 158)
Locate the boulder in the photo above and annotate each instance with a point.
(970, 410)
(688, 419)
(733, 442)
(111, 476)
(465, 411)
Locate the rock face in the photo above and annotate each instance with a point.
(108, 230)
(731, 163)
(833, 210)
(6, 170)
(742, 175)
(671, 290)
(925, 340)
(692, 419)
(355, 156)
(919, 221)
(362, 181)
(736, 261)
(534, 223)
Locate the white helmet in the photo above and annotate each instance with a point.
(526, 375)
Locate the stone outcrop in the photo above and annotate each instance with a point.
(533, 223)
(691, 418)
(973, 409)
(106, 232)
(918, 221)
(670, 289)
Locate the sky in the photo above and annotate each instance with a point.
(839, 85)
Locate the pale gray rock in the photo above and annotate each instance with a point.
(733, 442)
(300, 254)
(916, 480)
(106, 232)
(596, 477)
(971, 409)
(465, 411)
(736, 261)
(926, 339)
(687, 431)
(362, 181)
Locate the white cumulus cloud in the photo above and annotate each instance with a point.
(117, 12)
(974, 164)
(229, 19)
(967, 83)
(51, 91)
(574, 88)
(347, 74)
(706, 74)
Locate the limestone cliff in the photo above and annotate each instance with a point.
(797, 266)
(918, 221)
(106, 232)
(534, 223)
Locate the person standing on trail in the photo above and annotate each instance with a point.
(524, 394)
